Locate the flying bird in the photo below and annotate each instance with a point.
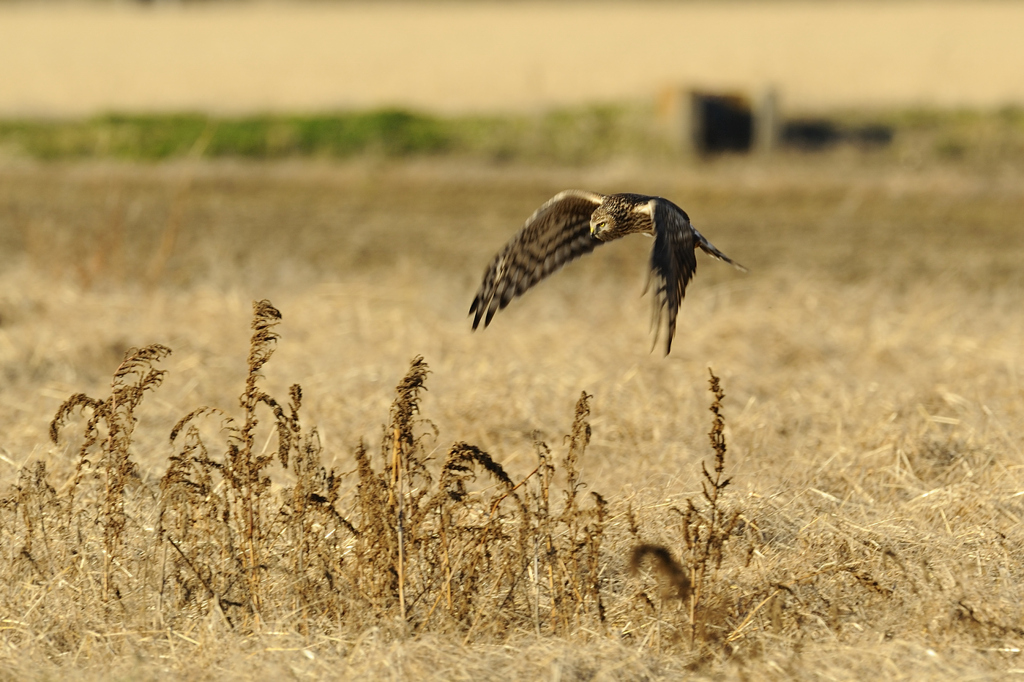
(574, 223)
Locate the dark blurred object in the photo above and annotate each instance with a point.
(814, 134)
(709, 123)
(873, 135)
(721, 123)
(810, 134)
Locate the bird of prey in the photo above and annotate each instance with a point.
(575, 222)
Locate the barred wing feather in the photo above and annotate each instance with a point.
(557, 233)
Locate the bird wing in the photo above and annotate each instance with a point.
(558, 232)
(709, 248)
(673, 263)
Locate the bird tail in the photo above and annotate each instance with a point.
(709, 248)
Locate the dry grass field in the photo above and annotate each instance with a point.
(871, 363)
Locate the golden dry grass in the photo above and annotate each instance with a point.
(80, 58)
(873, 418)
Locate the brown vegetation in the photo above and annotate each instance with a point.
(416, 548)
(863, 517)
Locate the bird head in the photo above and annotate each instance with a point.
(619, 215)
(601, 223)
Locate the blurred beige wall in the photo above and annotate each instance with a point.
(61, 59)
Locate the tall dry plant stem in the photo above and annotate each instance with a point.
(245, 466)
(403, 462)
(133, 377)
(228, 536)
(397, 498)
(706, 531)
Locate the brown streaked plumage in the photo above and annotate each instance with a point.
(574, 223)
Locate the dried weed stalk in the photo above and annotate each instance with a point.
(440, 551)
(232, 541)
(704, 529)
(111, 454)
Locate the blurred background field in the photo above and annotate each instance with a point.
(871, 358)
(70, 59)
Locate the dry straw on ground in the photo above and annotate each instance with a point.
(858, 511)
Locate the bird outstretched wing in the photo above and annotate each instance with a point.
(673, 262)
(558, 232)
